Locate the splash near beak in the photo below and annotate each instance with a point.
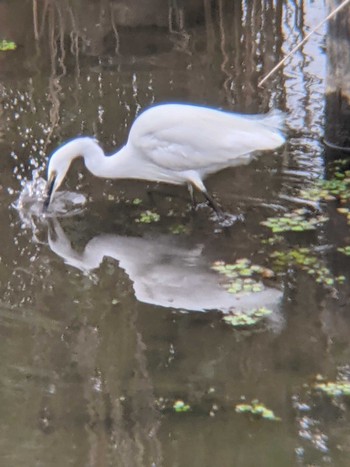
(49, 190)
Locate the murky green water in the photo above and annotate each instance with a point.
(104, 320)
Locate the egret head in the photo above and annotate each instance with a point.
(60, 162)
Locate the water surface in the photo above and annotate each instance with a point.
(106, 321)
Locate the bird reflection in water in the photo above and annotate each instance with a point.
(163, 272)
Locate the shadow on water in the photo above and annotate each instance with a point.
(99, 322)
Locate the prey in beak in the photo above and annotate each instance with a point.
(49, 190)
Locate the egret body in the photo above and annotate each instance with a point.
(173, 143)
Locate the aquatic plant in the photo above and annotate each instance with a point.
(147, 217)
(246, 319)
(257, 409)
(178, 229)
(7, 45)
(337, 187)
(308, 262)
(180, 406)
(272, 240)
(242, 276)
(345, 250)
(136, 201)
(294, 221)
(346, 212)
(333, 389)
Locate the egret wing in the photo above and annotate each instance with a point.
(199, 138)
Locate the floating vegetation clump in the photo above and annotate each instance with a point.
(273, 240)
(333, 389)
(346, 212)
(178, 229)
(328, 190)
(240, 319)
(242, 276)
(180, 406)
(257, 409)
(136, 201)
(308, 262)
(295, 221)
(345, 250)
(7, 45)
(147, 217)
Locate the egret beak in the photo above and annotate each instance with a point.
(49, 190)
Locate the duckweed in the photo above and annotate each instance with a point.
(308, 262)
(346, 212)
(136, 201)
(294, 221)
(178, 229)
(328, 190)
(7, 45)
(257, 409)
(180, 406)
(243, 276)
(345, 250)
(334, 389)
(251, 318)
(147, 217)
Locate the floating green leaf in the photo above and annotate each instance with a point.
(294, 221)
(327, 190)
(345, 250)
(178, 229)
(257, 409)
(306, 260)
(334, 389)
(242, 276)
(147, 217)
(7, 45)
(248, 318)
(180, 406)
(136, 201)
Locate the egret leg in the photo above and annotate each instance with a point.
(192, 196)
(212, 203)
(196, 181)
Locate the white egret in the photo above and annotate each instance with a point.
(173, 143)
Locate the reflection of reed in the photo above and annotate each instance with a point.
(54, 85)
(247, 36)
(2, 127)
(338, 83)
(122, 424)
(38, 28)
